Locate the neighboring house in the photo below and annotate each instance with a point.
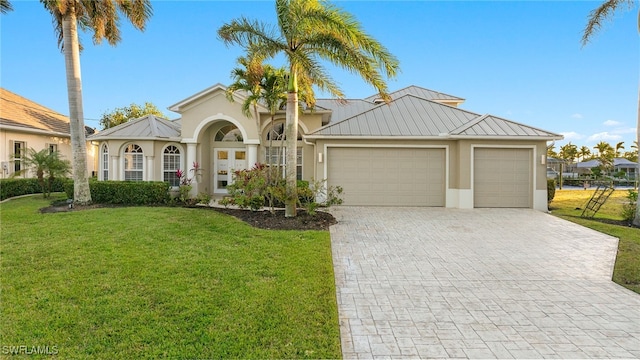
(26, 124)
(619, 164)
(418, 150)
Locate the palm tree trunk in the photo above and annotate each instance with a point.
(291, 142)
(81, 192)
(636, 220)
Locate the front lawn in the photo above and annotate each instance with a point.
(140, 282)
(568, 204)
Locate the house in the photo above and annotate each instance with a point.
(418, 150)
(619, 164)
(26, 124)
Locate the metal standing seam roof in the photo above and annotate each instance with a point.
(420, 92)
(489, 125)
(413, 116)
(343, 109)
(145, 128)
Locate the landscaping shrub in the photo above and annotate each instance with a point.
(126, 192)
(551, 189)
(262, 186)
(16, 187)
(629, 208)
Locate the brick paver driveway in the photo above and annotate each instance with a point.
(482, 283)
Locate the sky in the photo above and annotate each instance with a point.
(520, 60)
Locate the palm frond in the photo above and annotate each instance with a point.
(5, 6)
(602, 14)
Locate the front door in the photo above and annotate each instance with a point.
(225, 162)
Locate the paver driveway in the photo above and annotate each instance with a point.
(482, 283)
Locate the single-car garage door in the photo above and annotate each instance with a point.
(502, 178)
(388, 176)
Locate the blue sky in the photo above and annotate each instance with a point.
(521, 60)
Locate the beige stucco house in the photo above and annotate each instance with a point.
(26, 124)
(418, 150)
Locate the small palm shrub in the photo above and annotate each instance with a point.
(629, 208)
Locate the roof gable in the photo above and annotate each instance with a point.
(148, 127)
(22, 113)
(489, 125)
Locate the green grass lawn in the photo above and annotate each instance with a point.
(568, 204)
(150, 282)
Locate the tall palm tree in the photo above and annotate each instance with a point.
(584, 152)
(603, 147)
(569, 152)
(597, 18)
(103, 18)
(619, 146)
(309, 31)
(248, 79)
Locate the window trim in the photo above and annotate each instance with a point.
(124, 162)
(180, 161)
(104, 165)
(17, 155)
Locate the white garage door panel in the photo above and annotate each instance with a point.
(388, 176)
(502, 178)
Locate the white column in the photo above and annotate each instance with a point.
(191, 158)
(252, 155)
(114, 172)
(149, 172)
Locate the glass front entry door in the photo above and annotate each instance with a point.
(225, 162)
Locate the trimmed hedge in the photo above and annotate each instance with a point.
(126, 192)
(17, 186)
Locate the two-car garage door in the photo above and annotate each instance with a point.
(388, 176)
(502, 177)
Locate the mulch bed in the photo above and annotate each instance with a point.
(259, 219)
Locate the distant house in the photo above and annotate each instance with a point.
(26, 124)
(418, 150)
(619, 164)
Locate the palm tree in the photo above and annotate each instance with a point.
(45, 162)
(248, 79)
(5, 6)
(569, 152)
(603, 148)
(596, 19)
(309, 31)
(619, 146)
(102, 17)
(584, 152)
(551, 150)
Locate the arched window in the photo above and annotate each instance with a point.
(133, 163)
(171, 161)
(277, 133)
(275, 151)
(104, 156)
(229, 133)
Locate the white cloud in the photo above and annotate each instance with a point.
(624, 131)
(571, 135)
(611, 123)
(604, 136)
(576, 116)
